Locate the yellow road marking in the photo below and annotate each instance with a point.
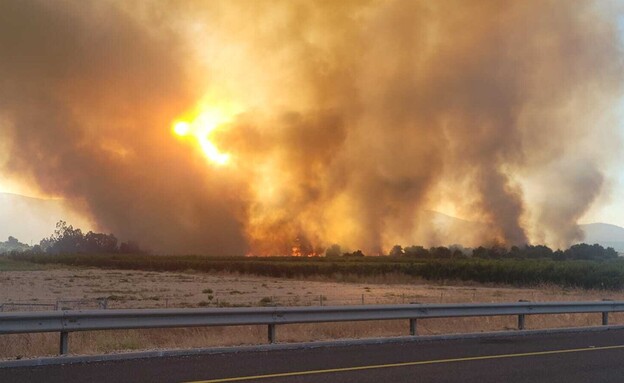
(404, 364)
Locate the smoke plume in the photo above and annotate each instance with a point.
(352, 119)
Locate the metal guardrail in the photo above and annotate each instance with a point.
(65, 322)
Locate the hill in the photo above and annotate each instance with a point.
(31, 219)
(604, 234)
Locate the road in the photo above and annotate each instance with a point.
(569, 358)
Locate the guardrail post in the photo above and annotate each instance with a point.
(605, 315)
(413, 326)
(271, 333)
(64, 347)
(521, 325)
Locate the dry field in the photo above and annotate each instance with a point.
(138, 289)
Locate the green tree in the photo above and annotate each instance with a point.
(333, 251)
(396, 251)
(416, 251)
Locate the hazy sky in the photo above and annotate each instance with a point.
(256, 127)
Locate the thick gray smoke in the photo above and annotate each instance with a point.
(353, 118)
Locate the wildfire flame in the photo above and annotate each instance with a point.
(300, 249)
(201, 128)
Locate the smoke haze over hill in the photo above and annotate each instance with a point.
(32, 219)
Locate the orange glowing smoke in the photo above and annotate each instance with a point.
(353, 135)
(228, 127)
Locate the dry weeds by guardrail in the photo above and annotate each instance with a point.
(65, 322)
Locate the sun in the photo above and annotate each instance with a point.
(181, 128)
(201, 128)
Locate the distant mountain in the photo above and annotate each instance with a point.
(459, 230)
(31, 219)
(604, 234)
(443, 229)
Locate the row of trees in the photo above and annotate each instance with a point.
(69, 240)
(13, 244)
(576, 252)
(580, 251)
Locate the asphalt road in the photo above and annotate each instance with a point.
(569, 358)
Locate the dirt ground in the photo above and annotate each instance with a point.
(140, 289)
(21, 286)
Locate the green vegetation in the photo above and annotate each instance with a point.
(582, 265)
(605, 273)
(9, 264)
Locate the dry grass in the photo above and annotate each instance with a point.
(136, 289)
